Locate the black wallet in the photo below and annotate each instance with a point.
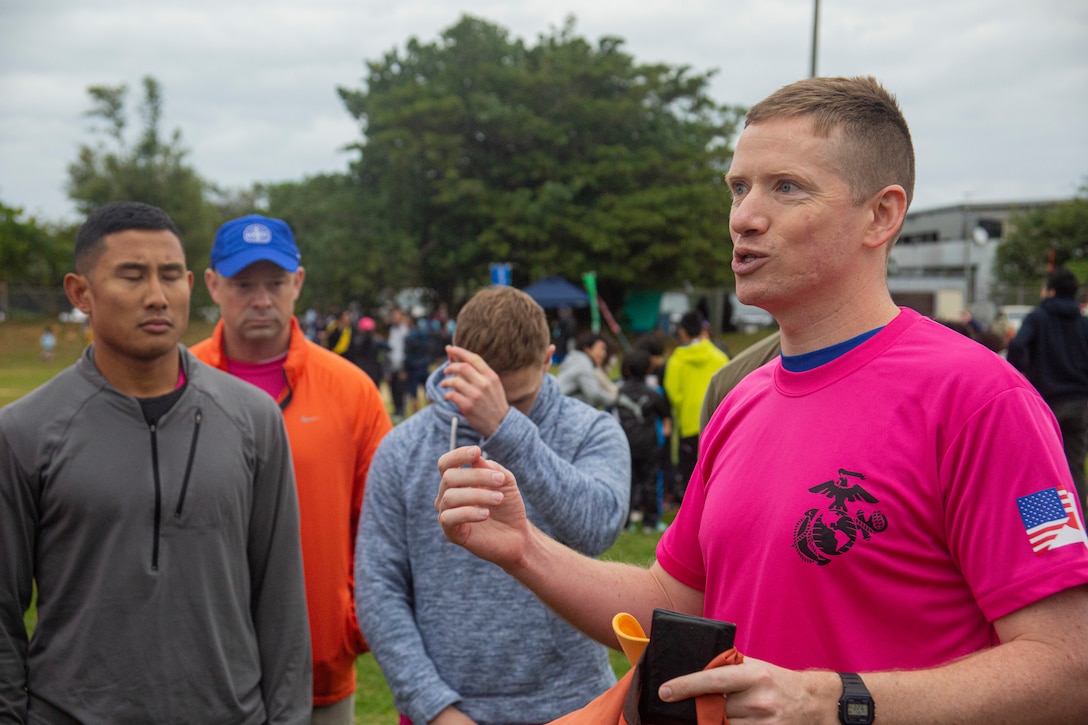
(679, 644)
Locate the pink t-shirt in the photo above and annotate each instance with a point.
(881, 510)
(267, 375)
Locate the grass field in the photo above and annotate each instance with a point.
(22, 370)
(21, 366)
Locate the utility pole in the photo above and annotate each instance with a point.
(815, 38)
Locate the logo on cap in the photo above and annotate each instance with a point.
(257, 234)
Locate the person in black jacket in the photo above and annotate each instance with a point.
(339, 334)
(639, 408)
(368, 350)
(1051, 350)
(418, 353)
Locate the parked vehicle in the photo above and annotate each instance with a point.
(672, 307)
(1010, 317)
(748, 318)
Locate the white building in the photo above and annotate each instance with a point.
(944, 259)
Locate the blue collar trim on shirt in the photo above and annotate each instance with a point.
(810, 360)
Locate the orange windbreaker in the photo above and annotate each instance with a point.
(335, 418)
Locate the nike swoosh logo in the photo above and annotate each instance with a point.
(310, 419)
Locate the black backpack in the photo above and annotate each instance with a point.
(636, 419)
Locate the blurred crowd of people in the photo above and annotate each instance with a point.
(396, 350)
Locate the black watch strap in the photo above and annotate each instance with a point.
(856, 704)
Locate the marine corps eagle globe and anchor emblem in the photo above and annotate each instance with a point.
(820, 535)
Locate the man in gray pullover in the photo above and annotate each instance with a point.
(458, 640)
(151, 500)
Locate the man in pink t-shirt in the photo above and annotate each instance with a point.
(872, 537)
(887, 498)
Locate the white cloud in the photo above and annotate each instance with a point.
(996, 92)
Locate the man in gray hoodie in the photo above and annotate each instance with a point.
(151, 500)
(417, 596)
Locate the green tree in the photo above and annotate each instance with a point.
(335, 230)
(1034, 237)
(149, 168)
(32, 254)
(562, 157)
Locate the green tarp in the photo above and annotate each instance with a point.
(641, 311)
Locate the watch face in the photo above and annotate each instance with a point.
(857, 711)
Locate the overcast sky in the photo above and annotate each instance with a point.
(995, 91)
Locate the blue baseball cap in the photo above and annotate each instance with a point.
(241, 242)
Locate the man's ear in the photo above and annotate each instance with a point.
(888, 208)
(300, 277)
(211, 281)
(76, 287)
(548, 354)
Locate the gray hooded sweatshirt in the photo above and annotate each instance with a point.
(448, 628)
(166, 556)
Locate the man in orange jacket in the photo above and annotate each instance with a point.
(334, 417)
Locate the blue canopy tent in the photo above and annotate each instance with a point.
(553, 292)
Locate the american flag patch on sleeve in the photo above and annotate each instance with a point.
(1051, 519)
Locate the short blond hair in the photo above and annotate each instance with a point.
(877, 148)
(504, 326)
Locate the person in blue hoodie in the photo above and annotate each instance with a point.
(417, 596)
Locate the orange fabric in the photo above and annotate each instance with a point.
(606, 708)
(711, 708)
(335, 418)
(615, 704)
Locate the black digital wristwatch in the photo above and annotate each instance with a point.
(856, 704)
